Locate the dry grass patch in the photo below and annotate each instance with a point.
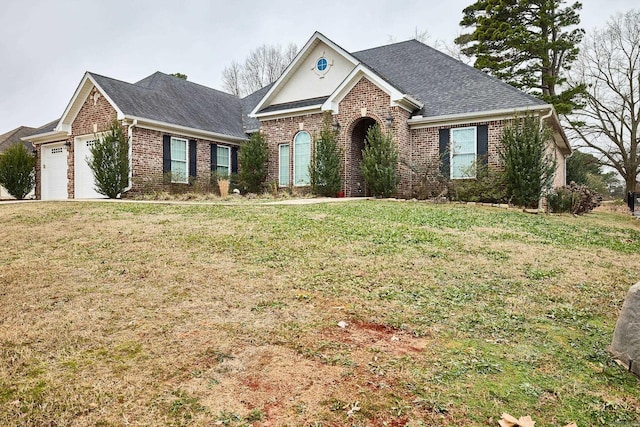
(148, 314)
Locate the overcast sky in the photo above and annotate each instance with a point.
(47, 45)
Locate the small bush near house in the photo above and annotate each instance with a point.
(573, 198)
(379, 163)
(253, 157)
(488, 187)
(528, 166)
(17, 173)
(430, 181)
(324, 169)
(110, 162)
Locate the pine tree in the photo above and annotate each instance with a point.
(324, 169)
(529, 44)
(528, 166)
(110, 162)
(253, 158)
(379, 162)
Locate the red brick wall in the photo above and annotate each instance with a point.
(99, 113)
(425, 141)
(147, 158)
(364, 95)
(282, 131)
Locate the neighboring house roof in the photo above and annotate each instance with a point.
(443, 84)
(11, 137)
(176, 101)
(49, 127)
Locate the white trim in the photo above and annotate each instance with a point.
(186, 144)
(228, 148)
(475, 151)
(46, 137)
(280, 184)
(294, 182)
(397, 98)
(306, 50)
(185, 131)
(82, 92)
(419, 122)
(291, 112)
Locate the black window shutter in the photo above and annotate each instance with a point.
(193, 155)
(443, 151)
(214, 157)
(234, 159)
(166, 154)
(483, 143)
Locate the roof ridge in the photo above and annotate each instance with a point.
(178, 80)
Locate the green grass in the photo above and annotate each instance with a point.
(152, 314)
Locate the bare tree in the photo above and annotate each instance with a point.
(261, 67)
(608, 121)
(454, 51)
(231, 78)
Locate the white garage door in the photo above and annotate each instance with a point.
(54, 172)
(83, 175)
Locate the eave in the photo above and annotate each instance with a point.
(397, 98)
(46, 137)
(183, 130)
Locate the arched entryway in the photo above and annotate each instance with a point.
(356, 186)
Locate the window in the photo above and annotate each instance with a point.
(224, 161)
(463, 153)
(322, 64)
(179, 168)
(283, 165)
(301, 158)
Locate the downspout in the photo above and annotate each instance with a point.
(542, 119)
(130, 136)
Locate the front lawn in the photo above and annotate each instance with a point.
(146, 314)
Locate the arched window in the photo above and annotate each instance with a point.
(301, 158)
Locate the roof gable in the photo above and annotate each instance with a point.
(443, 84)
(302, 81)
(165, 100)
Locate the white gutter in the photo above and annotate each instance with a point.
(130, 135)
(45, 137)
(184, 130)
(419, 121)
(288, 112)
(546, 116)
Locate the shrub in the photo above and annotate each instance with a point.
(573, 198)
(379, 162)
(17, 170)
(253, 157)
(110, 162)
(325, 165)
(489, 186)
(431, 183)
(528, 166)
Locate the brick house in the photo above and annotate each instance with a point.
(436, 107)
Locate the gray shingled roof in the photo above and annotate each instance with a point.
(13, 136)
(249, 102)
(172, 100)
(444, 84)
(295, 104)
